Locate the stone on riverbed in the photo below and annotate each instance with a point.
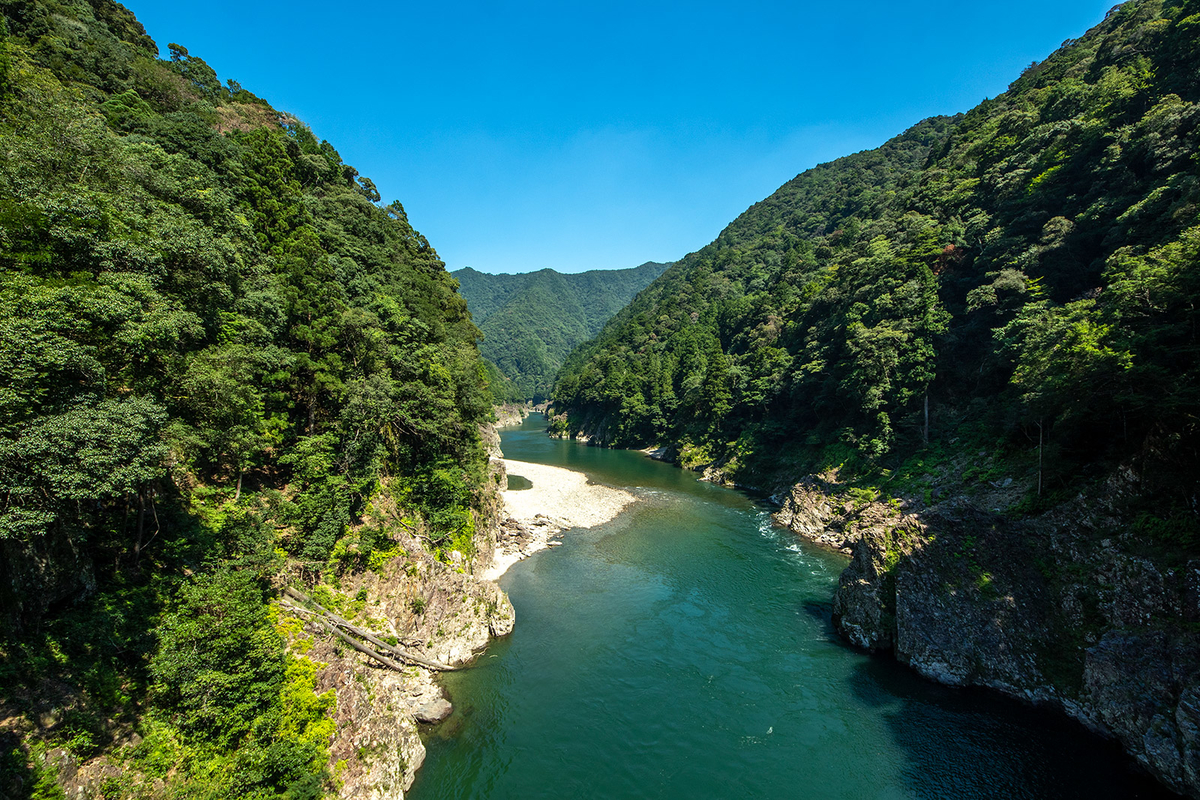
(434, 710)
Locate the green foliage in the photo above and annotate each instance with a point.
(1057, 349)
(28, 775)
(216, 284)
(220, 663)
(532, 321)
(503, 388)
(215, 346)
(1033, 258)
(90, 452)
(236, 712)
(442, 497)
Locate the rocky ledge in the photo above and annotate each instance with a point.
(512, 414)
(824, 511)
(438, 612)
(519, 540)
(1068, 609)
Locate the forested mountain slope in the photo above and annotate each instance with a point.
(995, 263)
(970, 358)
(215, 348)
(531, 321)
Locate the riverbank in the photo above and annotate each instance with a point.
(691, 606)
(509, 415)
(557, 500)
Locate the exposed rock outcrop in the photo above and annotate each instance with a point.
(723, 475)
(1068, 609)
(594, 432)
(440, 611)
(511, 414)
(826, 512)
(377, 750)
(436, 610)
(81, 781)
(519, 540)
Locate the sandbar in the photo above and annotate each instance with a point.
(559, 499)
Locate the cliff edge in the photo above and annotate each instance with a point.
(1068, 609)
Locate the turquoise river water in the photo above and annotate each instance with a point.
(684, 650)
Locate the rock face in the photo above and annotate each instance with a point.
(377, 751)
(935, 588)
(510, 414)
(79, 781)
(439, 611)
(809, 510)
(824, 511)
(521, 540)
(594, 433)
(1068, 609)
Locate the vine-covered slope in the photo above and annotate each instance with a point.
(532, 321)
(215, 346)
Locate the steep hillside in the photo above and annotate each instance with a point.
(1039, 243)
(530, 322)
(976, 348)
(224, 370)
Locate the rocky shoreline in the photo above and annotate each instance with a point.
(510, 415)
(1058, 610)
(444, 612)
(437, 611)
(447, 612)
(1065, 609)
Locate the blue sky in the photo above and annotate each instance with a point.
(527, 135)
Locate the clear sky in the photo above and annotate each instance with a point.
(581, 136)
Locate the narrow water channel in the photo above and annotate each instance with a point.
(684, 650)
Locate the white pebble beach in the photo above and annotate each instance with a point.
(563, 497)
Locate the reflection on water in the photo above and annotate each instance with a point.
(517, 482)
(684, 650)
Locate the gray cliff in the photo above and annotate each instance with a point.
(1069, 609)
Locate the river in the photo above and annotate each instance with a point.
(684, 650)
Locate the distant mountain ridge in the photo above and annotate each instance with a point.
(531, 321)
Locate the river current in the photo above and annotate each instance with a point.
(684, 650)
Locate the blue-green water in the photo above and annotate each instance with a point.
(684, 650)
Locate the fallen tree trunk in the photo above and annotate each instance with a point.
(336, 621)
(357, 645)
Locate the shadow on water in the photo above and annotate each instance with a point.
(963, 743)
(821, 612)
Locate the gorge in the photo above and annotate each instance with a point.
(969, 357)
(685, 649)
(941, 397)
